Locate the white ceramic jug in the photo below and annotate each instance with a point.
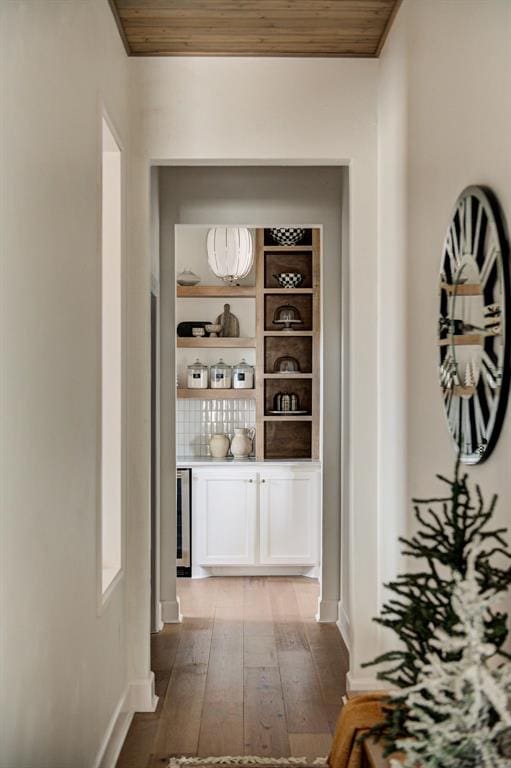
(241, 445)
(219, 446)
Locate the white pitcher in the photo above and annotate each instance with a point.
(241, 444)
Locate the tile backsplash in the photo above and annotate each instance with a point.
(197, 420)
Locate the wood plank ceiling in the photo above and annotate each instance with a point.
(254, 27)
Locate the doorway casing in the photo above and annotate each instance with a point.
(328, 609)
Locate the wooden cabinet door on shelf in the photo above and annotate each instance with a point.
(224, 517)
(290, 517)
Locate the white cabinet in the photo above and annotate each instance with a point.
(255, 518)
(289, 517)
(224, 516)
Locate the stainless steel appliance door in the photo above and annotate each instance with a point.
(183, 510)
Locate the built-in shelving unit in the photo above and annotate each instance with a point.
(288, 436)
(278, 436)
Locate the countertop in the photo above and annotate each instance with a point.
(207, 461)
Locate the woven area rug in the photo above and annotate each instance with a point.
(246, 760)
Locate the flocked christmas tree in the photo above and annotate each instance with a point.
(458, 712)
(422, 600)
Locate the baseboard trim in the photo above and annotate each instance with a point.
(170, 611)
(344, 625)
(257, 570)
(142, 694)
(115, 733)
(327, 611)
(354, 683)
(159, 620)
(138, 696)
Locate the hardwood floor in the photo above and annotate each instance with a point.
(249, 671)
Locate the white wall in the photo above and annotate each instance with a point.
(392, 304)
(444, 123)
(63, 666)
(311, 112)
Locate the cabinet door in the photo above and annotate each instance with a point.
(224, 513)
(290, 515)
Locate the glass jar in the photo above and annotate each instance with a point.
(243, 375)
(197, 375)
(220, 375)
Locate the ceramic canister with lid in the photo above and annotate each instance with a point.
(220, 375)
(197, 377)
(243, 375)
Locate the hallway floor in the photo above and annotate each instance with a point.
(249, 671)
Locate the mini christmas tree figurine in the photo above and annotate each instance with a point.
(459, 713)
(422, 601)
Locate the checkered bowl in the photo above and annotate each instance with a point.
(289, 279)
(287, 235)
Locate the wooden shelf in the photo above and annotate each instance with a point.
(463, 289)
(285, 334)
(291, 291)
(216, 394)
(287, 248)
(218, 342)
(287, 418)
(288, 375)
(216, 292)
(463, 340)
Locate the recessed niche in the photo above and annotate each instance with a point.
(275, 263)
(287, 439)
(302, 388)
(299, 347)
(301, 302)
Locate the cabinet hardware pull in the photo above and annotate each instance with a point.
(250, 481)
(263, 480)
